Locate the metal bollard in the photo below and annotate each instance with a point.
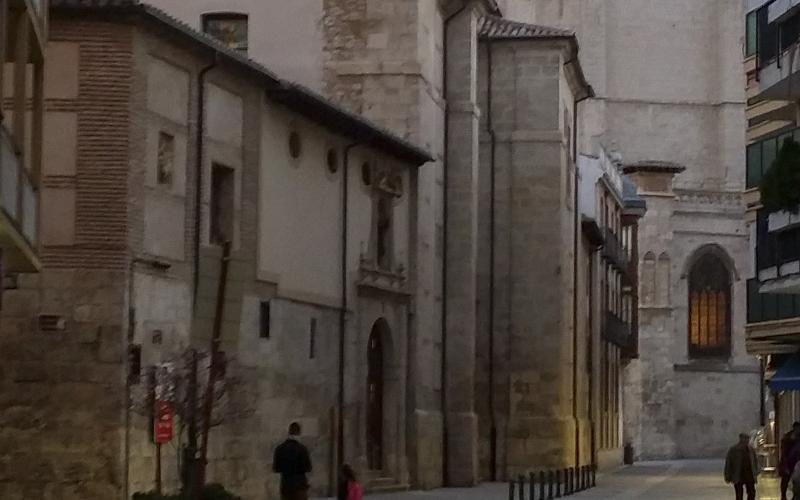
(572, 488)
(521, 487)
(550, 477)
(571, 480)
(511, 490)
(558, 483)
(594, 475)
(541, 485)
(532, 479)
(583, 478)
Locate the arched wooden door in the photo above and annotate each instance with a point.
(375, 386)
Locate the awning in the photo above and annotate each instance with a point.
(787, 377)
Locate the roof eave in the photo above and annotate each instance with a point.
(653, 168)
(314, 107)
(346, 123)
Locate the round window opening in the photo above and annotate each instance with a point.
(366, 174)
(294, 145)
(333, 161)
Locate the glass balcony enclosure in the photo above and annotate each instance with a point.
(19, 202)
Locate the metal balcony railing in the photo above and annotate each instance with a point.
(763, 307)
(615, 251)
(18, 197)
(773, 37)
(616, 330)
(774, 249)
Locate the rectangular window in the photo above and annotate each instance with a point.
(312, 339)
(230, 29)
(222, 204)
(769, 152)
(751, 46)
(134, 364)
(166, 159)
(264, 319)
(753, 165)
(783, 138)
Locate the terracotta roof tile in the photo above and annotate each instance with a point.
(498, 28)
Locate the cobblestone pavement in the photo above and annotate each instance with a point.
(678, 480)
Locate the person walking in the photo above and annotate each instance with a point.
(741, 468)
(349, 487)
(292, 461)
(790, 453)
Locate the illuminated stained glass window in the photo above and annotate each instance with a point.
(228, 28)
(709, 308)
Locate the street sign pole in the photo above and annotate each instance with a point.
(158, 468)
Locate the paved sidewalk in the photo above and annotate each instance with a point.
(678, 480)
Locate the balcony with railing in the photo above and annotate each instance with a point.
(614, 251)
(773, 320)
(761, 154)
(616, 330)
(778, 252)
(19, 204)
(772, 34)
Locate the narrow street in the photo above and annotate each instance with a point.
(677, 480)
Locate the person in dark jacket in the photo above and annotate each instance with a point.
(292, 462)
(790, 453)
(741, 468)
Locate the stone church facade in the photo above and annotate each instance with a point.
(670, 100)
(441, 339)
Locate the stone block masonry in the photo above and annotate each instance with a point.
(61, 403)
(61, 408)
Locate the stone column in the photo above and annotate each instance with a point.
(653, 374)
(461, 257)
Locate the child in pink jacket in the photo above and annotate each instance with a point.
(354, 489)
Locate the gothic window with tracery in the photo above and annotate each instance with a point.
(709, 308)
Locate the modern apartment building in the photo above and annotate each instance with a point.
(773, 281)
(23, 41)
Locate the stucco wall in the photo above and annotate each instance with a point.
(385, 60)
(303, 193)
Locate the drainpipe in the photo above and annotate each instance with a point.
(575, 250)
(443, 361)
(343, 310)
(762, 407)
(126, 483)
(198, 195)
(492, 230)
(590, 362)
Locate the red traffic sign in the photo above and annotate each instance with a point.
(163, 422)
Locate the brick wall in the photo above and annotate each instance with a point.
(100, 185)
(61, 409)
